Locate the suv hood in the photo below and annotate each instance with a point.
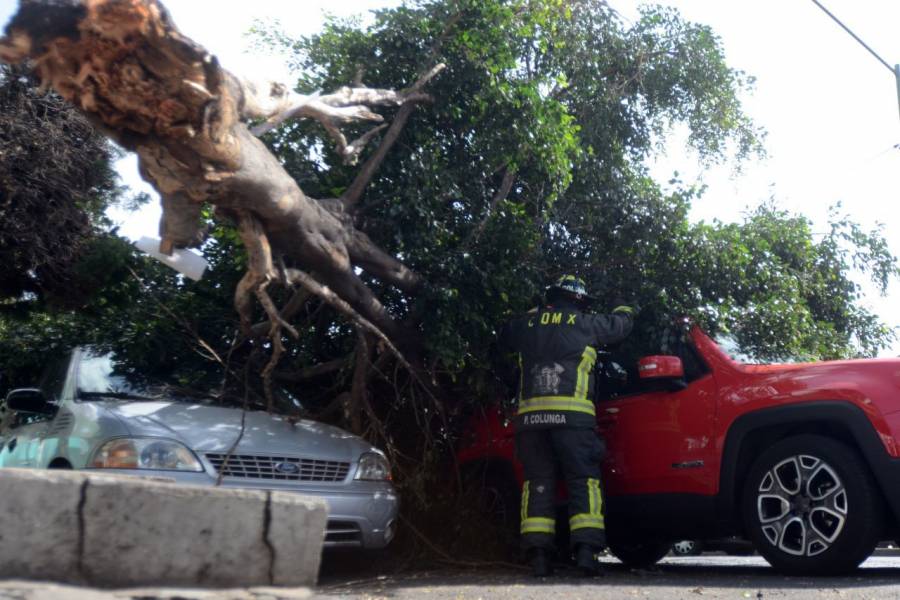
(864, 382)
(867, 365)
(215, 429)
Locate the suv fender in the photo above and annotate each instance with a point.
(750, 433)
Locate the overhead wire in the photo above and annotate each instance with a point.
(856, 37)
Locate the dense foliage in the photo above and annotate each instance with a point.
(528, 163)
(567, 100)
(56, 181)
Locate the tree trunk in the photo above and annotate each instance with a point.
(125, 65)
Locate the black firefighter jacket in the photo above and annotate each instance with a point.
(556, 349)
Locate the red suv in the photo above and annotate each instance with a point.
(801, 459)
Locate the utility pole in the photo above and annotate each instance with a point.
(897, 77)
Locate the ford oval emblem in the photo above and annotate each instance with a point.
(287, 468)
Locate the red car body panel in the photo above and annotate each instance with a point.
(672, 442)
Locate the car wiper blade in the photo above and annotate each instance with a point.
(115, 396)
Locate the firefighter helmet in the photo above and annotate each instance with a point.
(573, 286)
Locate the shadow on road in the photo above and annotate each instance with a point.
(348, 574)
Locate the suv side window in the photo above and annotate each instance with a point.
(676, 342)
(673, 341)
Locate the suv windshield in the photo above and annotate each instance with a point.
(732, 347)
(741, 353)
(102, 375)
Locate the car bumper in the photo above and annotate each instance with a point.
(361, 514)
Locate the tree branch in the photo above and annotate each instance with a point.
(509, 177)
(377, 262)
(311, 372)
(353, 193)
(296, 276)
(358, 397)
(291, 308)
(260, 273)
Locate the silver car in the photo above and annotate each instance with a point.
(91, 413)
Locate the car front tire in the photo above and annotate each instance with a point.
(810, 506)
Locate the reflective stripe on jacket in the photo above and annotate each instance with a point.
(556, 348)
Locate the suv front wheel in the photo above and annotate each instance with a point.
(810, 506)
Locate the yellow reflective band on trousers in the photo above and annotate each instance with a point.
(524, 513)
(566, 403)
(534, 524)
(588, 358)
(594, 518)
(521, 377)
(538, 525)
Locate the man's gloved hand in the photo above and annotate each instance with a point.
(624, 306)
(631, 311)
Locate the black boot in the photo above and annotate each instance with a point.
(541, 564)
(586, 561)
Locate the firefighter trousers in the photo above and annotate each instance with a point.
(576, 453)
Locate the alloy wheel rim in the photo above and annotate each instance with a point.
(802, 505)
(684, 547)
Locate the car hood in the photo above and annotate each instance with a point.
(215, 429)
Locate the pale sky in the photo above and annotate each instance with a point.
(830, 108)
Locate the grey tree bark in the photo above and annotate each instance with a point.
(125, 65)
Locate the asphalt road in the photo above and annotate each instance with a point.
(698, 578)
(694, 578)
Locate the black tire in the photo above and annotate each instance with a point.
(687, 548)
(638, 554)
(811, 506)
(741, 552)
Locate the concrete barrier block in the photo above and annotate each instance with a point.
(139, 533)
(296, 554)
(39, 527)
(30, 590)
(120, 531)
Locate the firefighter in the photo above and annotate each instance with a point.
(555, 425)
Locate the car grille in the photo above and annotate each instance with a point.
(282, 468)
(343, 533)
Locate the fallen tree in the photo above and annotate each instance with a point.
(528, 163)
(194, 127)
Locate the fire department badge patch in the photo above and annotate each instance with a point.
(545, 379)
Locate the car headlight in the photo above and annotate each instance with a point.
(145, 453)
(373, 467)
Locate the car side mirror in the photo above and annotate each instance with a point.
(663, 368)
(29, 400)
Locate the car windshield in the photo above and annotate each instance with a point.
(103, 375)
